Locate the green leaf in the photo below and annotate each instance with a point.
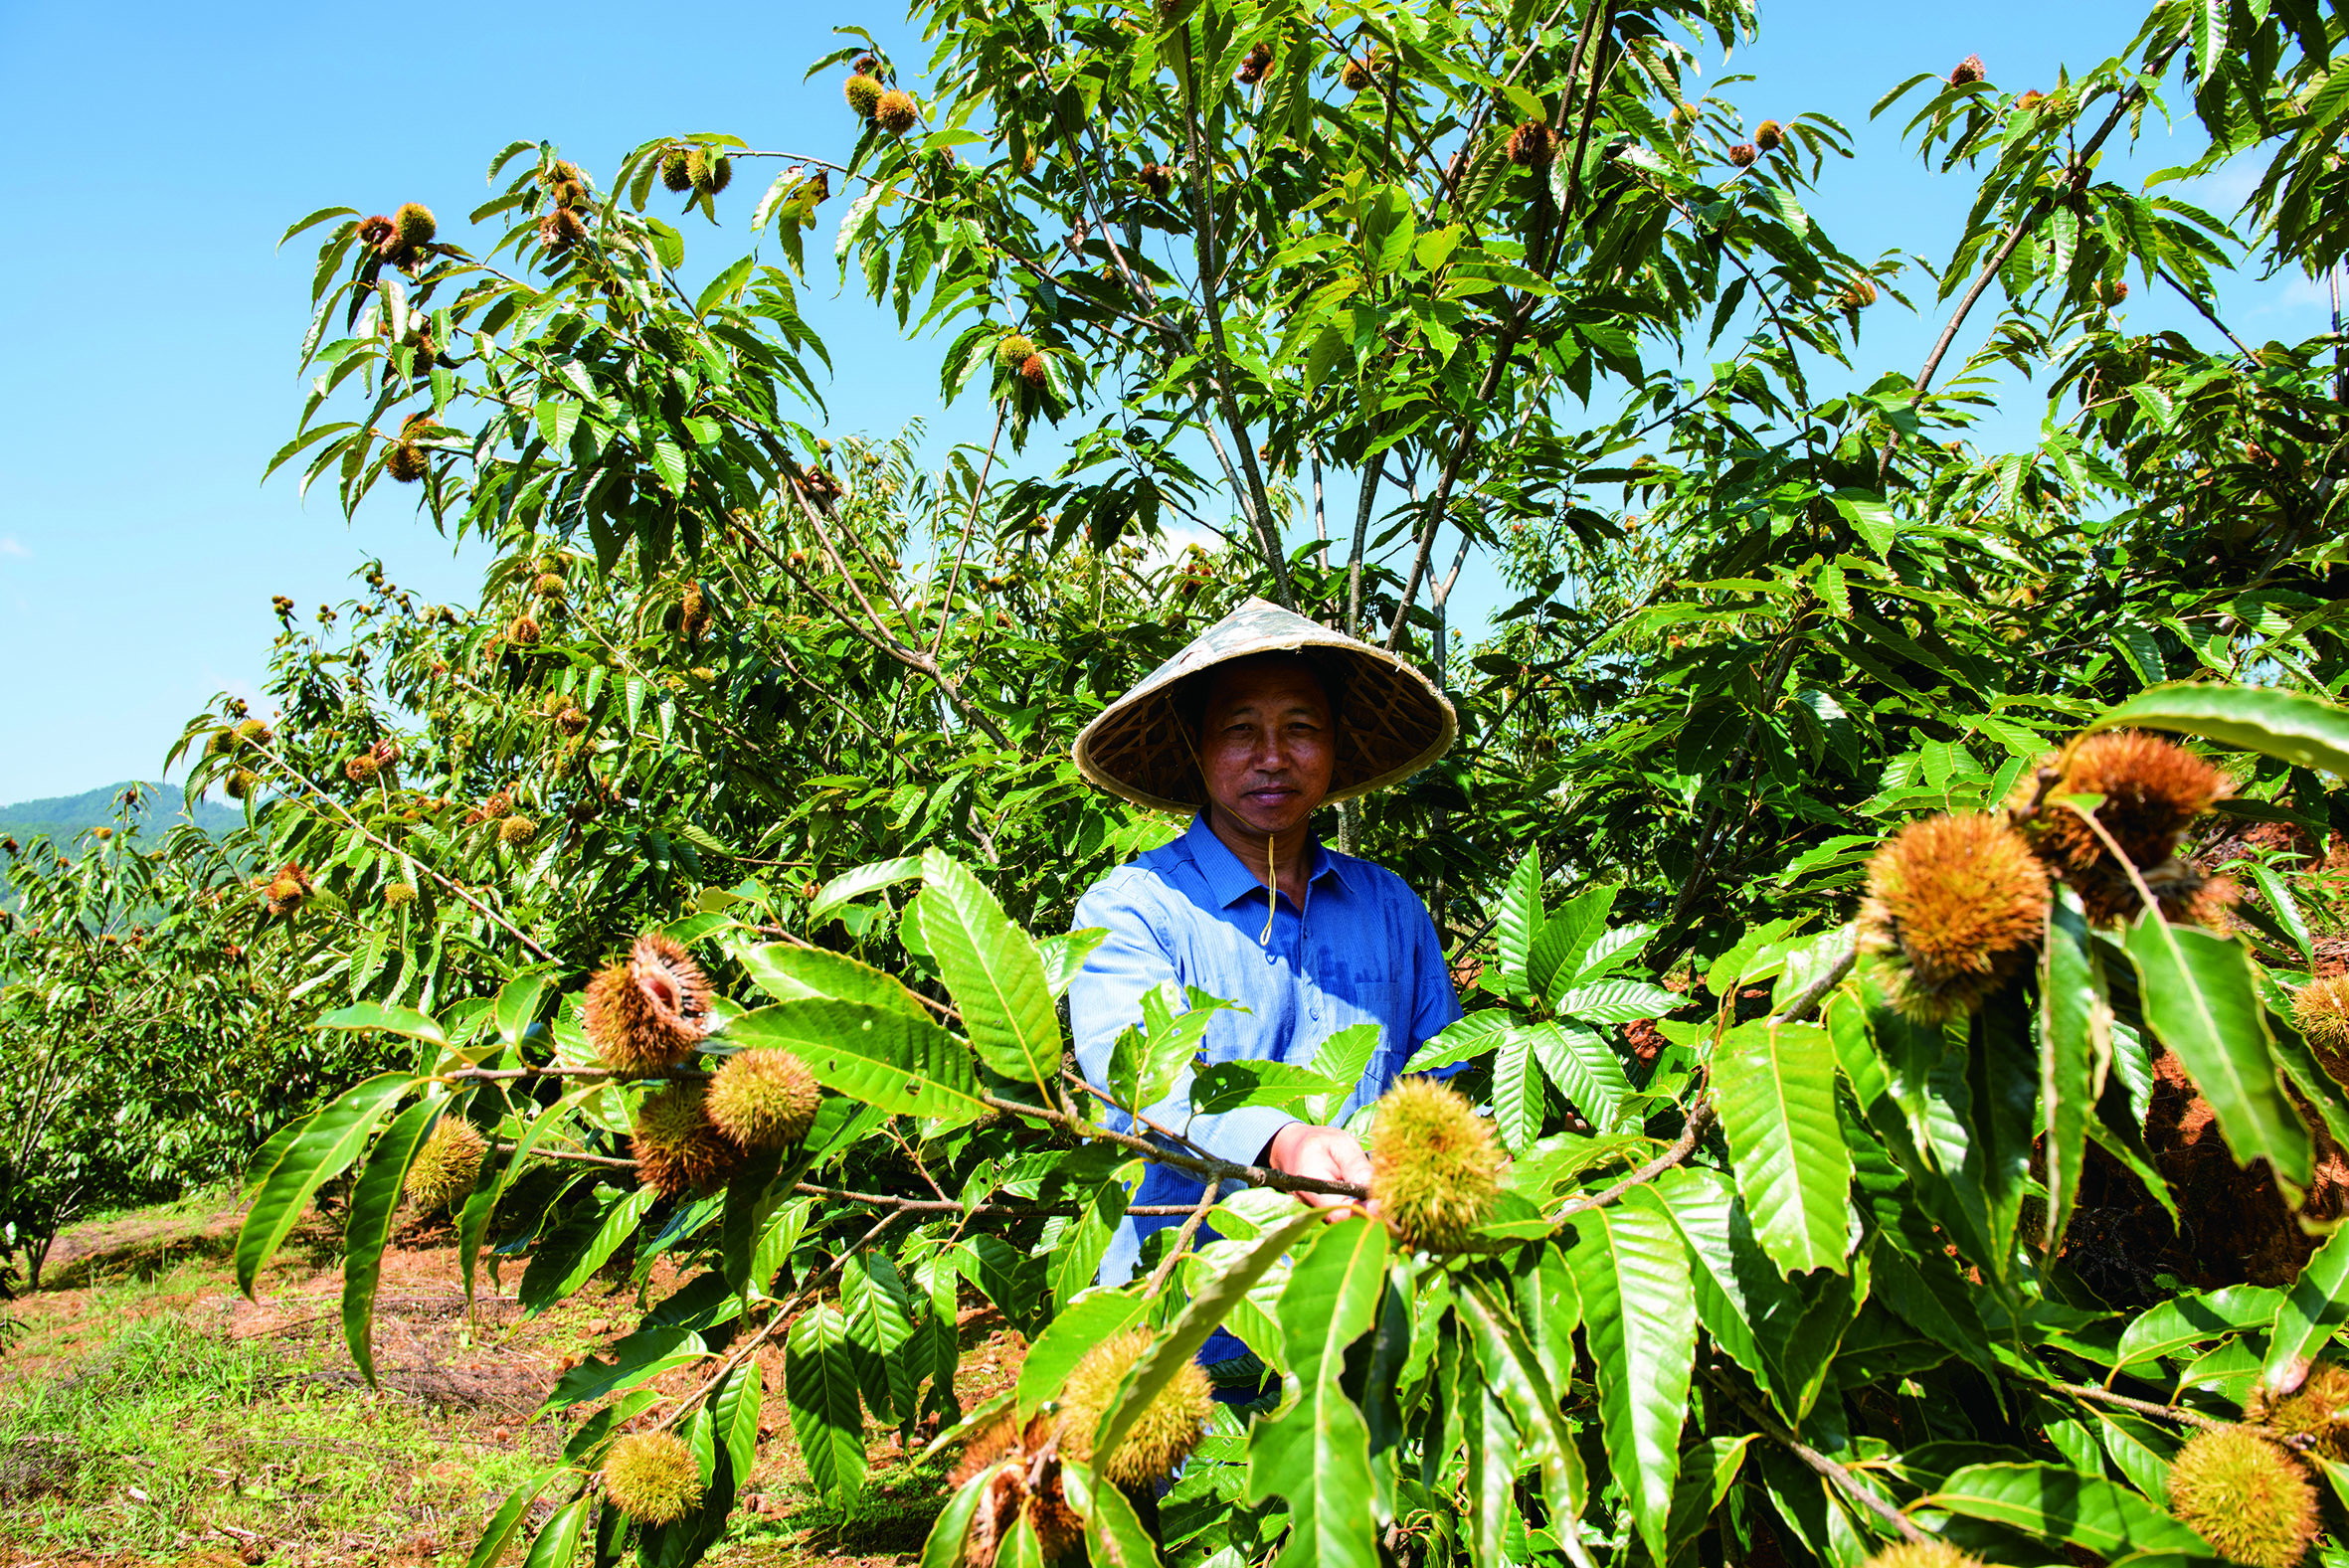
(2313, 1311)
(943, 1549)
(550, 1275)
(392, 1020)
(851, 885)
(734, 1412)
(1774, 1086)
(499, 1532)
(1114, 1532)
(790, 973)
(2056, 1503)
(1517, 1100)
(1318, 1453)
(636, 1360)
(2304, 731)
(2074, 1046)
(819, 1388)
(995, 972)
(880, 1056)
(1463, 1040)
(325, 1146)
(374, 1198)
(2202, 1000)
(1082, 1325)
(1567, 936)
(1064, 956)
(1513, 1371)
(1585, 1070)
(2168, 1328)
(1518, 922)
(558, 1540)
(1209, 1303)
(1634, 1278)
(879, 1319)
(518, 1001)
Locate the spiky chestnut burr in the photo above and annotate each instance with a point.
(2153, 790)
(674, 174)
(1923, 1554)
(399, 894)
(646, 1013)
(1954, 906)
(652, 1477)
(2317, 1412)
(679, 1148)
(406, 462)
(1014, 351)
(1967, 70)
(416, 225)
(1435, 1169)
(442, 1174)
(2320, 1010)
(1532, 146)
(1354, 74)
(522, 631)
(1743, 154)
(1769, 135)
(1164, 1434)
(764, 1099)
(1034, 373)
(896, 113)
(863, 94)
(2245, 1495)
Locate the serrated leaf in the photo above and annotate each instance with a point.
(392, 1020)
(903, 1063)
(2304, 731)
(1773, 1084)
(1317, 1453)
(788, 971)
(2201, 1000)
(995, 972)
(2056, 1503)
(374, 1199)
(855, 884)
(323, 1151)
(819, 1389)
(1634, 1278)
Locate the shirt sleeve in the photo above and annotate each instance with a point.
(1436, 1005)
(1105, 999)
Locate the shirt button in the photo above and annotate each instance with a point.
(1317, 1015)
(1268, 956)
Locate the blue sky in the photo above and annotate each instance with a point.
(152, 330)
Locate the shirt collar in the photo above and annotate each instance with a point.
(1228, 881)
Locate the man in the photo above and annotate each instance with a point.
(1263, 719)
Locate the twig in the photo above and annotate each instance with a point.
(571, 1156)
(365, 832)
(950, 1206)
(2145, 1407)
(954, 577)
(1805, 1001)
(1841, 1477)
(1183, 1241)
(778, 1318)
(1692, 1132)
(1206, 1167)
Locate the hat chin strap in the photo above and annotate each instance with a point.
(1272, 890)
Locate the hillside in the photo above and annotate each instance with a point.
(62, 817)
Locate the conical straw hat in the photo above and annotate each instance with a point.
(1391, 720)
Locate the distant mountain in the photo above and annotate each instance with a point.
(160, 807)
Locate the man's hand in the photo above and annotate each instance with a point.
(1323, 1153)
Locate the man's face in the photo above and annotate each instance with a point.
(1267, 744)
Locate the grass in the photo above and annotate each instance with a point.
(148, 1414)
(170, 1433)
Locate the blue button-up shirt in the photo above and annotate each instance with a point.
(1361, 950)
